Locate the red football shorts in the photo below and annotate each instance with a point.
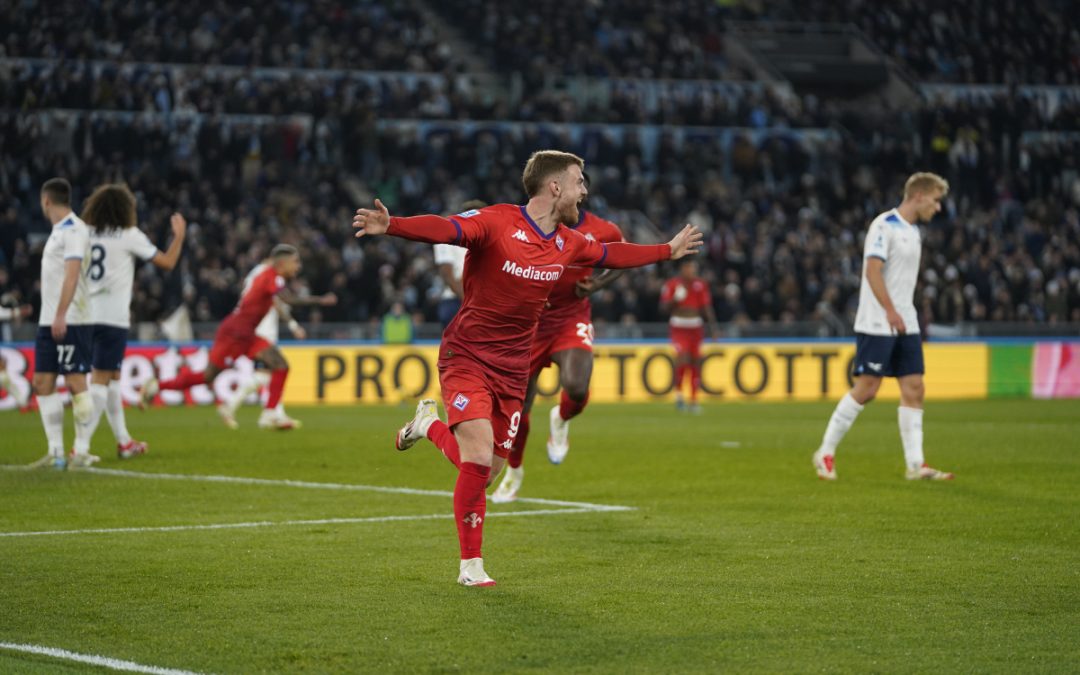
(568, 335)
(688, 340)
(470, 393)
(228, 346)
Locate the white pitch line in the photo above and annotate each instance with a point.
(283, 523)
(337, 486)
(92, 659)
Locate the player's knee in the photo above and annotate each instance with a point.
(576, 389)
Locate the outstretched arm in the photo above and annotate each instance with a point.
(430, 229)
(621, 255)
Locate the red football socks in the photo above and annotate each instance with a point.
(569, 408)
(439, 434)
(470, 507)
(185, 379)
(517, 453)
(695, 382)
(277, 387)
(680, 375)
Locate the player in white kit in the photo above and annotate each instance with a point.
(267, 330)
(8, 384)
(63, 342)
(116, 245)
(887, 327)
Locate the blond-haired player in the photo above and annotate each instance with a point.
(888, 343)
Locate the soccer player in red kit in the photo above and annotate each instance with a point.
(688, 300)
(563, 336)
(236, 337)
(516, 255)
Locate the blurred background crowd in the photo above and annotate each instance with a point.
(277, 129)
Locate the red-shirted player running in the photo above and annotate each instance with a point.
(688, 299)
(516, 255)
(236, 337)
(563, 336)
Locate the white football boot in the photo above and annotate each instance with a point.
(471, 573)
(82, 460)
(825, 465)
(509, 485)
(925, 472)
(149, 390)
(272, 419)
(558, 442)
(427, 411)
(228, 416)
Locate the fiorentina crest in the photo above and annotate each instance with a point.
(559, 241)
(461, 401)
(472, 520)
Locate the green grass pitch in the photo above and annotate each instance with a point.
(734, 559)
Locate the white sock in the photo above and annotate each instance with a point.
(82, 407)
(100, 394)
(842, 419)
(114, 409)
(910, 421)
(280, 409)
(5, 382)
(51, 408)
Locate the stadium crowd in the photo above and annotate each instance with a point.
(261, 156)
(785, 226)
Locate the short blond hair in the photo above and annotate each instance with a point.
(543, 165)
(924, 181)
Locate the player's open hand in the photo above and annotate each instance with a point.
(687, 242)
(371, 221)
(895, 322)
(179, 225)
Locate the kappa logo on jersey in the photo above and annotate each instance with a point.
(468, 214)
(589, 237)
(521, 236)
(472, 520)
(559, 242)
(876, 367)
(545, 273)
(461, 401)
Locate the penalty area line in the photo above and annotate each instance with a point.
(311, 485)
(290, 523)
(92, 659)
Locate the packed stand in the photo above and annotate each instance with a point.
(959, 41)
(366, 35)
(679, 39)
(785, 217)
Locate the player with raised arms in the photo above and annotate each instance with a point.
(63, 345)
(564, 336)
(687, 299)
(888, 343)
(116, 245)
(516, 256)
(236, 337)
(267, 330)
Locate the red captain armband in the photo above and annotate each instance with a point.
(430, 229)
(622, 255)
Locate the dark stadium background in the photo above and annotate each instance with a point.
(779, 128)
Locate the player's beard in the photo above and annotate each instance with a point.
(569, 214)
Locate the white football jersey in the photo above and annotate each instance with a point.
(111, 272)
(448, 254)
(69, 240)
(268, 327)
(897, 242)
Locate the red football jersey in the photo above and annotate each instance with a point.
(695, 294)
(564, 302)
(255, 303)
(510, 271)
